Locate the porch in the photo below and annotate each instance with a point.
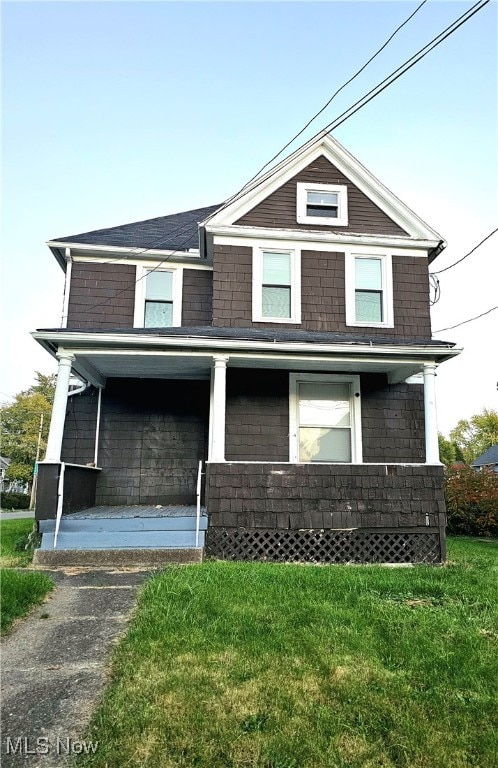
(275, 488)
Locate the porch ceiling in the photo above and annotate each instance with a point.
(97, 366)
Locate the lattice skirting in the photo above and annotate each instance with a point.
(323, 546)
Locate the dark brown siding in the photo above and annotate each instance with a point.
(257, 415)
(324, 496)
(152, 436)
(101, 296)
(197, 299)
(323, 300)
(279, 208)
(392, 420)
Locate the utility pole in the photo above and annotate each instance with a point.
(35, 473)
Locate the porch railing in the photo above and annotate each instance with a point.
(60, 500)
(198, 510)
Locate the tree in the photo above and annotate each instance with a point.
(20, 425)
(475, 435)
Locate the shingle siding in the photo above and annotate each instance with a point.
(101, 296)
(279, 208)
(152, 436)
(197, 299)
(323, 293)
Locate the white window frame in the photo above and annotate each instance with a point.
(139, 314)
(257, 284)
(355, 400)
(387, 287)
(302, 201)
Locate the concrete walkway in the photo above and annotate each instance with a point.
(54, 662)
(23, 514)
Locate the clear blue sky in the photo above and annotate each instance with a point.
(119, 111)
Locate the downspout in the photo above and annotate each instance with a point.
(67, 288)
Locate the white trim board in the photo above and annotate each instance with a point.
(339, 156)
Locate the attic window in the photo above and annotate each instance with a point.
(322, 204)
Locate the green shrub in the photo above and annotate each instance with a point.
(471, 502)
(15, 500)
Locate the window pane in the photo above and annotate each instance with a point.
(321, 210)
(368, 306)
(319, 444)
(158, 314)
(159, 285)
(276, 302)
(324, 404)
(368, 274)
(323, 198)
(276, 268)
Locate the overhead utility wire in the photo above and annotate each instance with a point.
(383, 46)
(470, 320)
(440, 271)
(407, 65)
(336, 93)
(373, 93)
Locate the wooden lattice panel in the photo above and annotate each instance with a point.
(323, 546)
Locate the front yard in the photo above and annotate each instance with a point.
(284, 666)
(20, 590)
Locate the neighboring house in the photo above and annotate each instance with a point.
(272, 339)
(4, 464)
(487, 461)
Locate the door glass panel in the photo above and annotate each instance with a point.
(159, 285)
(276, 302)
(368, 306)
(158, 314)
(276, 268)
(323, 444)
(324, 404)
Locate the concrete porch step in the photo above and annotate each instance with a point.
(73, 524)
(149, 558)
(116, 539)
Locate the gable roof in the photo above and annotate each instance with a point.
(178, 232)
(332, 150)
(488, 457)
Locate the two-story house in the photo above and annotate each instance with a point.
(283, 339)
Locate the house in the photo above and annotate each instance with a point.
(276, 342)
(487, 460)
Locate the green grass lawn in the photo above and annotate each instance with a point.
(286, 666)
(20, 590)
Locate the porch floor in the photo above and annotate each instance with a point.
(136, 510)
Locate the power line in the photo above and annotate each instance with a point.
(470, 320)
(336, 93)
(439, 272)
(373, 93)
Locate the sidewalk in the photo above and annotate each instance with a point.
(53, 664)
(23, 514)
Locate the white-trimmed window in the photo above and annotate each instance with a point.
(325, 418)
(322, 204)
(369, 290)
(276, 289)
(158, 298)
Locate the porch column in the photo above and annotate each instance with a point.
(431, 441)
(54, 443)
(218, 408)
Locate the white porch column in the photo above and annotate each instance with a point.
(431, 441)
(218, 408)
(54, 443)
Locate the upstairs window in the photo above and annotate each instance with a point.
(276, 286)
(158, 298)
(369, 290)
(322, 204)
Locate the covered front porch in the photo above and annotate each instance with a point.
(156, 407)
